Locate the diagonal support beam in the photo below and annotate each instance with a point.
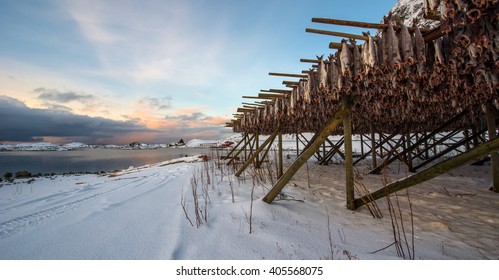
(235, 147)
(313, 146)
(432, 172)
(242, 148)
(257, 152)
(447, 150)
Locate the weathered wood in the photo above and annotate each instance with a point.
(292, 83)
(253, 104)
(269, 95)
(433, 34)
(242, 148)
(373, 147)
(327, 129)
(408, 153)
(306, 60)
(445, 151)
(257, 145)
(245, 110)
(297, 146)
(361, 24)
(347, 136)
(253, 97)
(490, 111)
(440, 141)
(269, 146)
(235, 147)
(338, 46)
(393, 150)
(273, 90)
(337, 34)
(332, 152)
(279, 155)
(288, 75)
(256, 153)
(432, 172)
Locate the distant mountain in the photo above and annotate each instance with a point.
(410, 10)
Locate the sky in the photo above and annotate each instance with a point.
(115, 72)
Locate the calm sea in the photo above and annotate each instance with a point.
(88, 160)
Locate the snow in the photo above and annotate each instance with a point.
(75, 146)
(410, 10)
(137, 214)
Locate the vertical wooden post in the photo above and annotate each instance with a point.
(257, 141)
(279, 140)
(297, 146)
(245, 148)
(490, 111)
(361, 144)
(347, 132)
(309, 151)
(467, 135)
(324, 153)
(256, 153)
(435, 146)
(373, 147)
(408, 151)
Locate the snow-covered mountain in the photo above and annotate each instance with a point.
(410, 10)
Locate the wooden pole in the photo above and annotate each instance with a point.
(279, 139)
(246, 143)
(306, 60)
(490, 111)
(347, 133)
(297, 146)
(337, 34)
(373, 147)
(257, 142)
(255, 154)
(335, 150)
(408, 151)
(320, 137)
(432, 172)
(361, 144)
(241, 150)
(445, 151)
(362, 24)
(273, 90)
(235, 147)
(266, 152)
(301, 76)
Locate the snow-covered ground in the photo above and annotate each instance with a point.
(137, 214)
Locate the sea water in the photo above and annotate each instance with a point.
(89, 160)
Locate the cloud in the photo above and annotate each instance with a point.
(195, 116)
(23, 124)
(57, 107)
(62, 97)
(156, 103)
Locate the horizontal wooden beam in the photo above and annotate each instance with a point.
(271, 96)
(432, 172)
(288, 75)
(290, 83)
(245, 110)
(309, 60)
(337, 34)
(251, 97)
(338, 46)
(273, 90)
(362, 24)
